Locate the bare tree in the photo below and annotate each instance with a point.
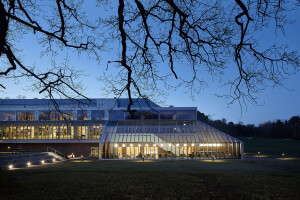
(56, 26)
(208, 35)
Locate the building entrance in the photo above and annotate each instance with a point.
(94, 152)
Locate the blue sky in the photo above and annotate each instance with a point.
(276, 103)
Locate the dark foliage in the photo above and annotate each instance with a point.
(287, 129)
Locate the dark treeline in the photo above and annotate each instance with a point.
(287, 129)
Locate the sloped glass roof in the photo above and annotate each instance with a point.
(163, 131)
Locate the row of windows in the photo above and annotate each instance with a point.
(170, 150)
(165, 114)
(50, 115)
(96, 115)
(50, 132)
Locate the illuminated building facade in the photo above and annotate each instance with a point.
(102, 128)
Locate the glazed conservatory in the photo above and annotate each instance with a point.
(102, 128)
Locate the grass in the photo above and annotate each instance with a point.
(192, 179)
(167, 179)
(271, 147)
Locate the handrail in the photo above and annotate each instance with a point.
(55, 151)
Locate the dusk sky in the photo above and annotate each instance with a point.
(274, 103)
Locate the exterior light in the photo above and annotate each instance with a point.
(154, 145)
(139, 145)
(8, 147)
(161, 145)
(123, 145)
(170, 145)
(146, 145)
(53, 159)
(177, 145)
(10, 166)
(193, 144)
(282, 156)
(42, 161)
(184, 145)
(131, 145)
(184, 124)
(116, 145)
(28, 164)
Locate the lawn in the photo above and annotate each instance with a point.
(271, 147)
(192, 179)
(167, 179)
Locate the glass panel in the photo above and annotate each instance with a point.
(134, 115)
(44, 115)
(7, 116)
(25, 115)
(66, 115)
(186, 115)
(98, 115)
(116, 115)
(150, 115)
(168, 114)
(81, 115)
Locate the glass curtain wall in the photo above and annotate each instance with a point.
(166, 139)
(44, 130)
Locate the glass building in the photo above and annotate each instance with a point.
(102, 128)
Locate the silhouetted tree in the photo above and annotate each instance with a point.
(288, 129)
(208, 35)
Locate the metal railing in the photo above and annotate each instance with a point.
(50, 149)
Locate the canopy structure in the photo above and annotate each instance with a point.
(166, 139)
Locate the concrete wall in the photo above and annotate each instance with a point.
(77, 149)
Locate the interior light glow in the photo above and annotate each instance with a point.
(210, 145)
